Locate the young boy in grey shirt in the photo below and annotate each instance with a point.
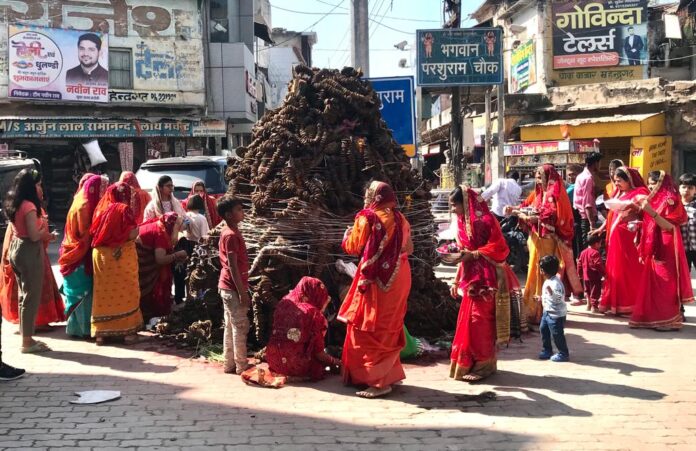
(554, 315)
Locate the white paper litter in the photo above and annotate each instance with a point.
(95, 396)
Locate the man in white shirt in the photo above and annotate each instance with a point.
(503, 192)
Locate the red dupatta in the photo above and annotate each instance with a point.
(298, 316)
(553, 204)
(380, 259)
(638, 187)
(113, 219)
(158, 233)
(210, 204)
(478, 230)
(666, 201)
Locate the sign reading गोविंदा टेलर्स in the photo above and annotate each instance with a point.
(599, 33)
(460, 57)
(56, 64)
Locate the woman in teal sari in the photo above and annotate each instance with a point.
(75, 259)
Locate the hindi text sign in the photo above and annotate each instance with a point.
(460, 57)
(55, 64)
(398, 109)
(599, 33)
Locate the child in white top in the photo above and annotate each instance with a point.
(554, 316)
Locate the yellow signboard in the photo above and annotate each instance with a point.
(651, 153)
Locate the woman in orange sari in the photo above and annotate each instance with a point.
(140, 197)
(375, 306)
(75, 258)
(623, 265)
(116, 299)
(51, 309)
(549, 215)
(484, 282)
(666, 283)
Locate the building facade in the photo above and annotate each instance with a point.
(585, 75)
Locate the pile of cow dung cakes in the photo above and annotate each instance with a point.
(303, 179)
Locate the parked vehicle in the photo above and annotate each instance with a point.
(516, 239)
(184, 171)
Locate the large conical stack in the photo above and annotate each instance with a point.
(304, 177)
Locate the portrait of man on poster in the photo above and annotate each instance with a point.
(89, 71)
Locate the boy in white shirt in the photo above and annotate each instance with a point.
(554, 316)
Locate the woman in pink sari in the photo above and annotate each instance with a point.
(484, 282)
(620, 289)
(666, 281)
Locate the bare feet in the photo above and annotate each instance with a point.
(374, 392)
(100, 341)
(130, 339)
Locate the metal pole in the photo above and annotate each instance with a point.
(489, 141)
(360, 37)
(501, 131)
(456, 115)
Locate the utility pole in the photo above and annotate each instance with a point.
(360, 36)
(455, 9)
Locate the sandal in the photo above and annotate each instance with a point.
(36, 348)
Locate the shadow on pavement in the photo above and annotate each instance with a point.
(593, 354)
(497, 402)
(156, 414)
(571, 386)
(125, 364)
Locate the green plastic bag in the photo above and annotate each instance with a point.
(412, 347)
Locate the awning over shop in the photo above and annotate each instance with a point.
(598, 127)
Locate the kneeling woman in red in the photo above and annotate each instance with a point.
(666, 283)
(296, 347)
(484, 281)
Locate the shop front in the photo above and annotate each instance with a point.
(638, 140)
(525, 157)
(58, 143)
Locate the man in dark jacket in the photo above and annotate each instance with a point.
(89, 72)
(632, 47)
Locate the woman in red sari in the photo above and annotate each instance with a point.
(666, 283)
(375, 306)
(484, 282)
(296, 346)
(620, 289)
(140, 197)
(550, 219)
(156, 254)
(210, 212)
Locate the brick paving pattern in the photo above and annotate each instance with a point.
(624, 389)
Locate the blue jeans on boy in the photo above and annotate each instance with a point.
(553, 327)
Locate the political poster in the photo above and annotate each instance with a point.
(55, 64)
(460, 57)
(599, 33)
(523, 66)
(398, 109)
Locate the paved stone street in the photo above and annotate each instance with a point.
(624, 389)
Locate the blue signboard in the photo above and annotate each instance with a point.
(460, 57)
(398, 109)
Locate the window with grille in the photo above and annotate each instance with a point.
(219, 22)
(120, 69)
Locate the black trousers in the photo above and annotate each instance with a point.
(585, 230)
